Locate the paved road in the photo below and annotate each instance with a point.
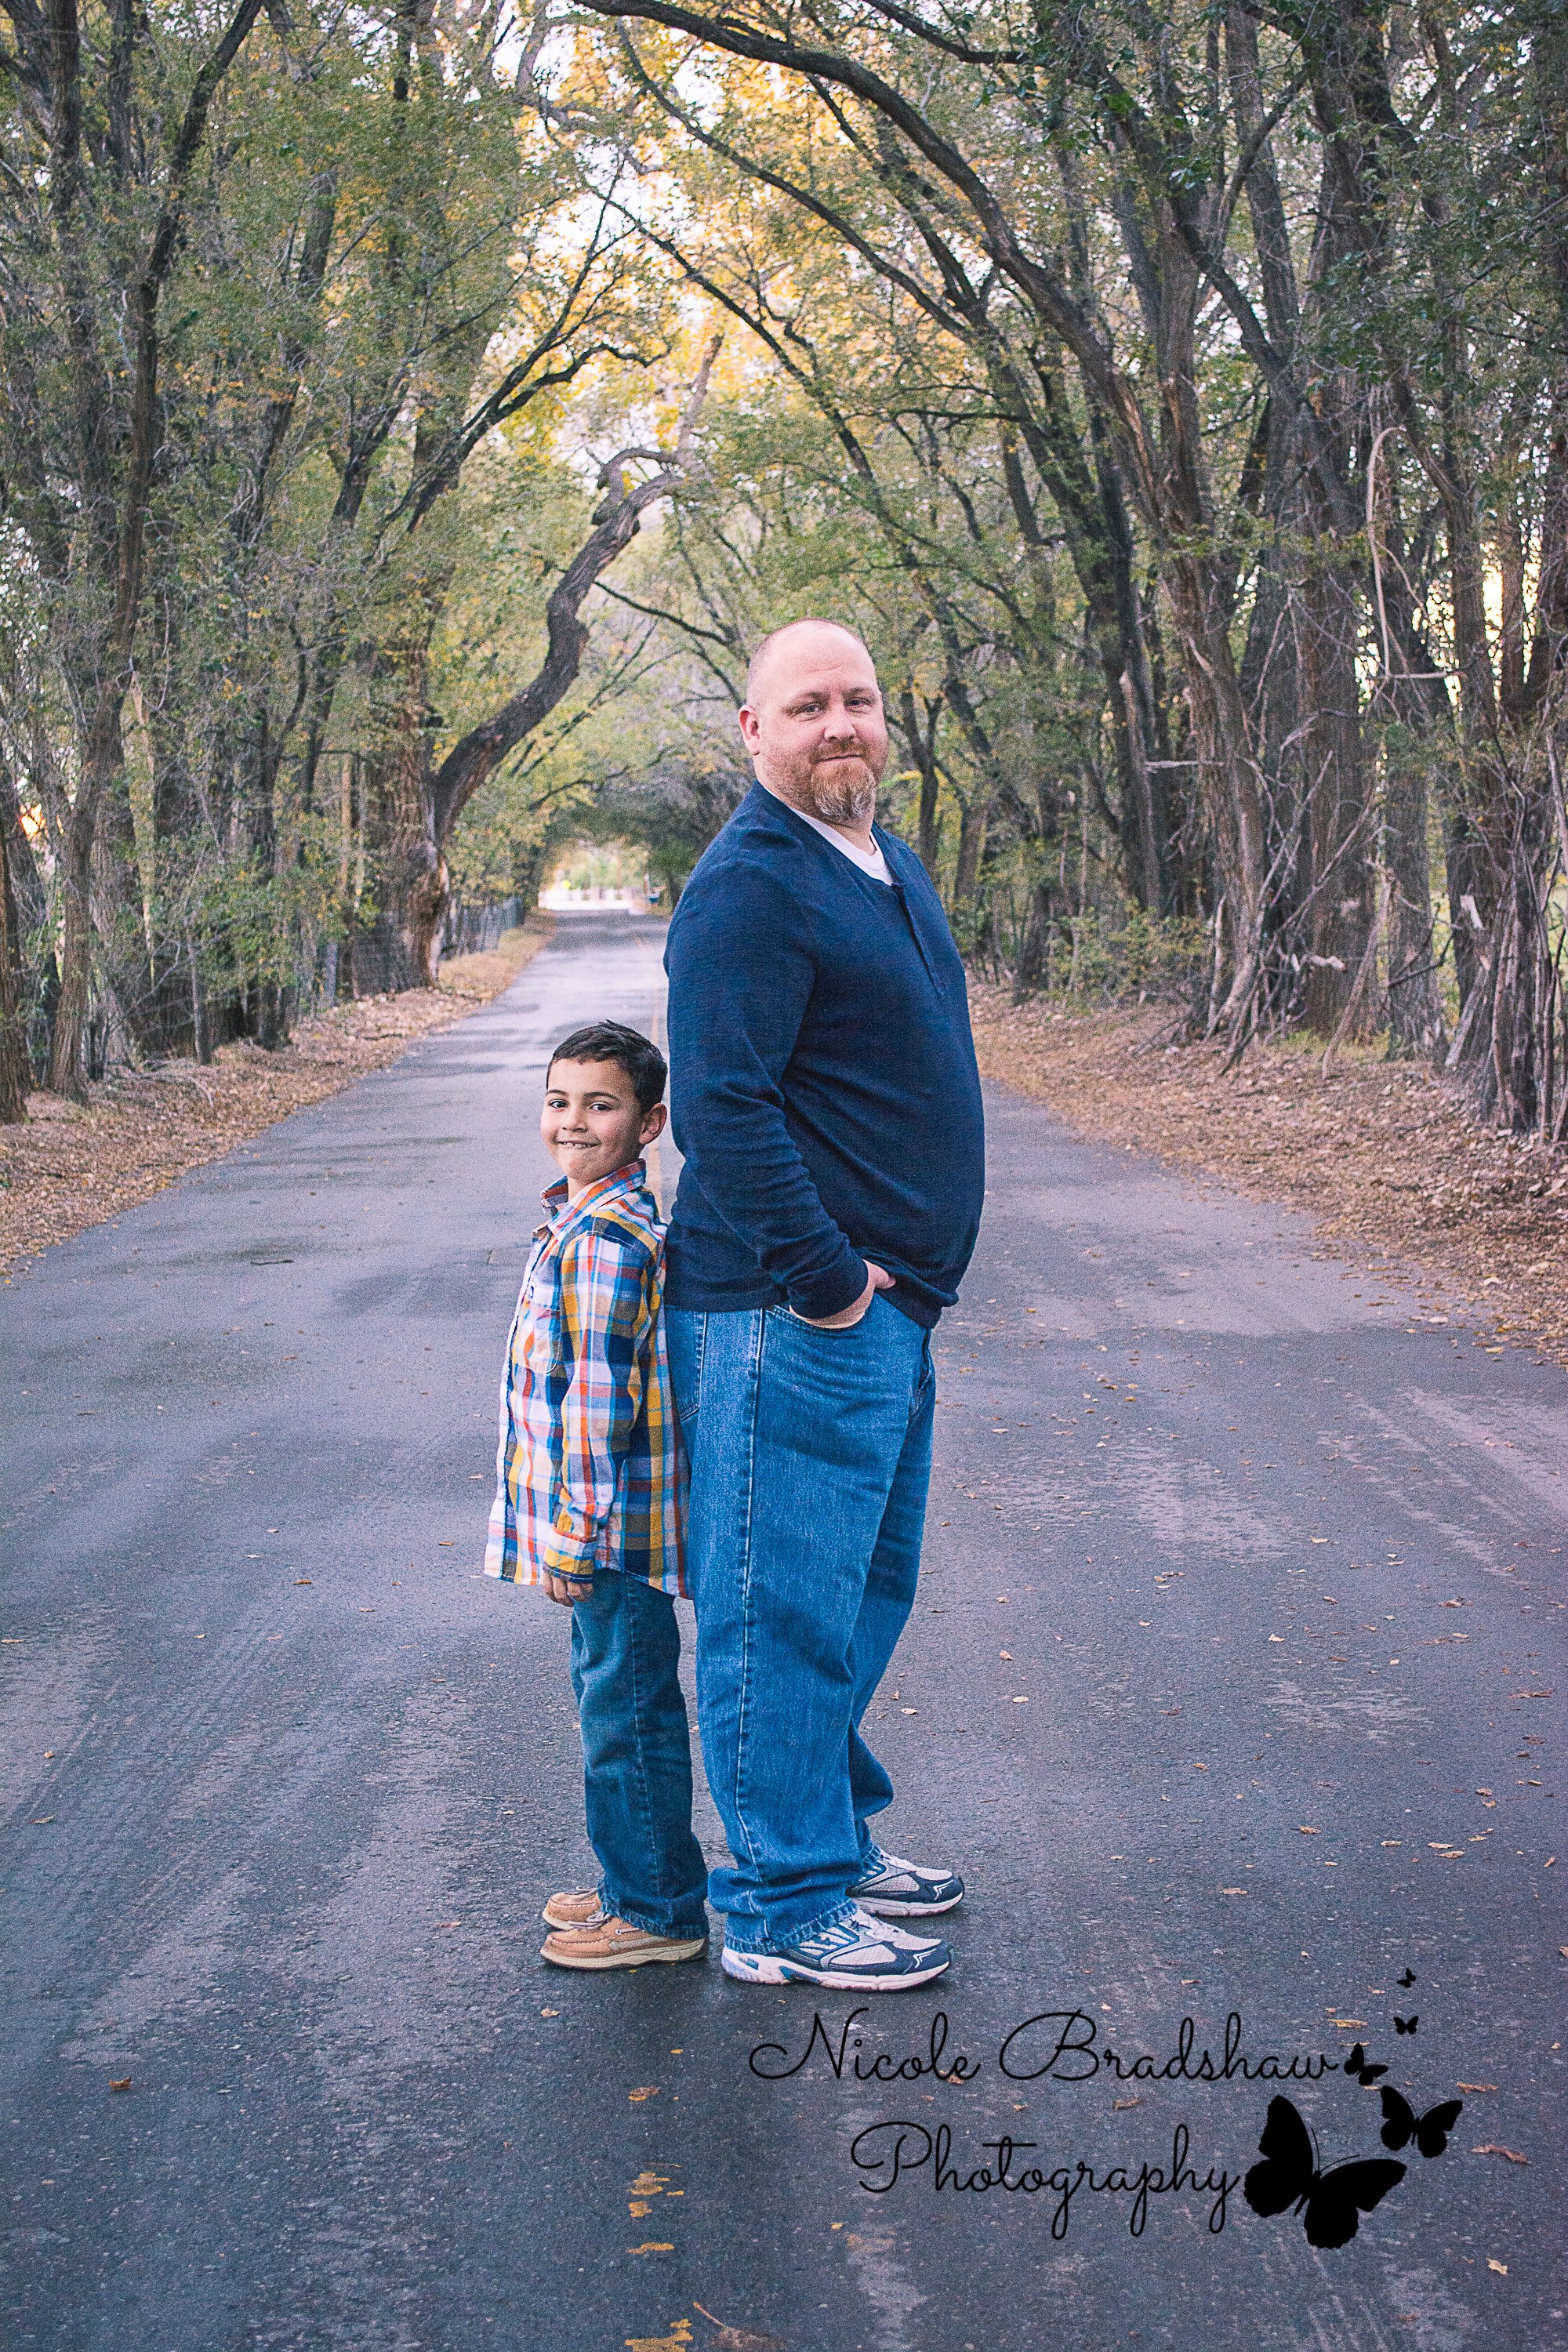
(1240, 1633)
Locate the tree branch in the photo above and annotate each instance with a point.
(616, 521)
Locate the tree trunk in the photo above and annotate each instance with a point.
(1416, 1031)
(1228, 779)
(14, 1073)
(76, 947)
(1032, 969)
(1339, 808)
(922, 741)
(971, 824)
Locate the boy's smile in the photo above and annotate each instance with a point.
(590, 1122)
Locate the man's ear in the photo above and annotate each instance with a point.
(750, 726)
(653, 1123)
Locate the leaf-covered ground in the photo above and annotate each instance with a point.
(1381, 1153)
(72, 1165)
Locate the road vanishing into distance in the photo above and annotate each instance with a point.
(1233, 1687)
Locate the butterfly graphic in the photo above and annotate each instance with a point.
(1405, 2025)
(1289, 2178)
(1430, 2131)
(1408, 1979)
(1356, 2065)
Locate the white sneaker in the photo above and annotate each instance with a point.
(896, 1889)
(856, 1955)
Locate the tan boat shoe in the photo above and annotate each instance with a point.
(616, 1944)
(579, 1907)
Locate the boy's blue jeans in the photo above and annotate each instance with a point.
(636, 1755)
(810, 1457)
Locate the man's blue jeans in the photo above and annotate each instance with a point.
(810, 1457)
(636, 1755)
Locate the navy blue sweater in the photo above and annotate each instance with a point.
(822, 1082)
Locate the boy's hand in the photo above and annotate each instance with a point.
(568, 1588)
(847, 1317)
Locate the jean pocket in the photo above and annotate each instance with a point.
(684, 1336)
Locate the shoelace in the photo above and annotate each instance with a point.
(840, 1938)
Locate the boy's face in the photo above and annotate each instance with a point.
(591, 1123)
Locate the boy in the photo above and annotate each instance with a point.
(590, 1500)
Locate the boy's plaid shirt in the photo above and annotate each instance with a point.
(590, 1471)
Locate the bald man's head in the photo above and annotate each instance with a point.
(791, 638)
(812, 722)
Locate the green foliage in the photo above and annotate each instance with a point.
(1198, 488)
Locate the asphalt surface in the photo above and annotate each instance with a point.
(1240, 1631)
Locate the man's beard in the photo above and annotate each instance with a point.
(839, 792)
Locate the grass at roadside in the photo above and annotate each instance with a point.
(1381, 1153)
(70, 1165)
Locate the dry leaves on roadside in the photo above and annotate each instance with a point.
(70, 1165)
(1381, 1153)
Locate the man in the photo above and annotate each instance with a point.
(826, 1101)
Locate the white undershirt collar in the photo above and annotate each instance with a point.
(870, 861)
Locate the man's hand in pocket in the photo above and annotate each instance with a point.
(847, 1317)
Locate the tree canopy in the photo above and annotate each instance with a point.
(414, 416)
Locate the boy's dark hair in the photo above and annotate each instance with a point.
(611, 1041)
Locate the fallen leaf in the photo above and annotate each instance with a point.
(550, 2012)
(1500, 2268)
(1308, 1832)
(301, 1579)
(652, 2246)
(648, 2091)
(1491, 2148)
(123, 2083)
(1125, 2103)
(1475, 2086)
(741, 2339)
